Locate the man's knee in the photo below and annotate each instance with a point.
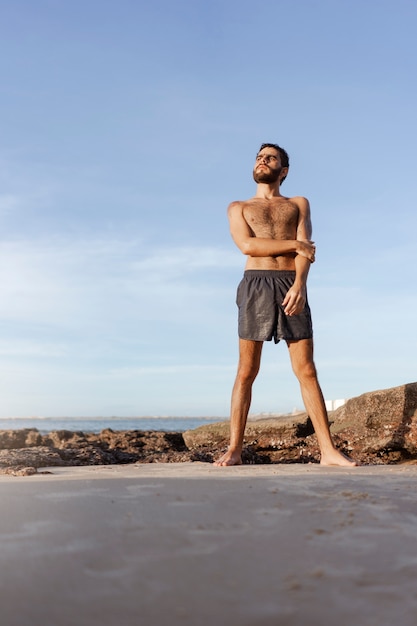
(301, 353)
(247, 373)
(305, 370)
(249, 360)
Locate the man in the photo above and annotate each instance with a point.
(274, 232)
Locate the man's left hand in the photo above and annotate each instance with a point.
(294, 301)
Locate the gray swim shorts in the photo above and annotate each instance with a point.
(261, 316)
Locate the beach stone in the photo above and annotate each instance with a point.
(140, 446)
(19, 471)
(62, 439)
(85, 455)
(37, 456)
(379, 424)
(20, 438)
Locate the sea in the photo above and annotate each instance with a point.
(96, 424)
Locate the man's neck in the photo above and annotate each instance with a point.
(268, 191)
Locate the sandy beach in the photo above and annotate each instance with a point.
(191, 544)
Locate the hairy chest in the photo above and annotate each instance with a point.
(277, 220)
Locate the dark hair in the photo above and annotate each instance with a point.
(285, 159)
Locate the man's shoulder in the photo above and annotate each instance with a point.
(302, 202)
(237, 206)
(241, 202)
(297, 199)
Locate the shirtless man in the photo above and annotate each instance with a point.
(274, 232)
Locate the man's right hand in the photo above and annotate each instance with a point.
(306, 249)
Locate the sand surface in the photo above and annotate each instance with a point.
(191, 544)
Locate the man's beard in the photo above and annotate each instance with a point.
(266, 175)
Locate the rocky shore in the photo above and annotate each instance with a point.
(379, 427)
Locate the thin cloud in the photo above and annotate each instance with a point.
(74, 283)
(185, 260)
(9, 203)
(30, 349)
(164, 370)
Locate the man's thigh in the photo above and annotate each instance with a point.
(250, 354)
(301, 353)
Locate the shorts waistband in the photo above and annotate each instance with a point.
(269, 273)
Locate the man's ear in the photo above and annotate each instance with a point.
(283, 174)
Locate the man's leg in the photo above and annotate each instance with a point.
(301, 354)
(248, 368)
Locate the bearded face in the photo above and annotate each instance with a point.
(266, 174)
(267, 167)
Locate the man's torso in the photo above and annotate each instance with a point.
(276, 218)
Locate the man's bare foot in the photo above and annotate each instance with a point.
(334, 457)
(229, 458)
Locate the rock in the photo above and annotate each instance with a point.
(379, 425)
(86, 455)
(19, 471)
(139, 442)
(62, 439)
(66, 447)
(38, 456)
(22, 438)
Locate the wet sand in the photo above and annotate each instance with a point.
(191, 544)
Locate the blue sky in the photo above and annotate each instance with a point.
(126, 130)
